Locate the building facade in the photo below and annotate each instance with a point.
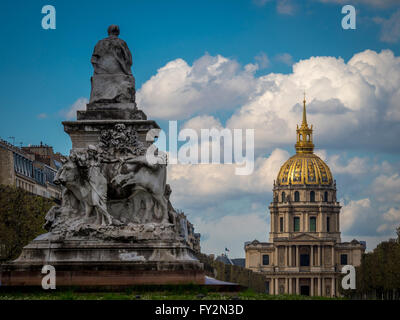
(31, 171)
(304, 254)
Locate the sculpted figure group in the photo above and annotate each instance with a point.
(112, 184)
(113, 179)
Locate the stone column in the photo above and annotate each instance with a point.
(272, 286)
(290, 286)
(297, 256)
(276, 286)
(297, 286)
(319, 256)
(312, 256)
(312, 287)
(290, 256)
(319, 220)
(333, 255)
(286, 224)
(272, 222)
(323, 289)
(286, 286)
(319, 286)
(306, 226)
(333, 285)
(322, 255)
(286, 256)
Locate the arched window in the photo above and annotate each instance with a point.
(312, 196)
(296, 196)
(326, 196)
(283, 196)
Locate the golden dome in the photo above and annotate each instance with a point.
(304, 167)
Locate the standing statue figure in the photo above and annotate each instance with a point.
(111, 55)
(112, 80)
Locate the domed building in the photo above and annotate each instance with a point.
(304, 254)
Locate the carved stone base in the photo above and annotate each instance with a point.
(86, 132)
(114, 111)
(95, 263)
(112, 88)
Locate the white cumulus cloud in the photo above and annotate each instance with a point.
(79, 104)
(351, 211)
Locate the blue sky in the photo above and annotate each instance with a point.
(263, 52)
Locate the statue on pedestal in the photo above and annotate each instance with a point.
(112, 80)
(116, 224)
(112, 55)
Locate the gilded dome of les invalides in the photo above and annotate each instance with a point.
(304, 167)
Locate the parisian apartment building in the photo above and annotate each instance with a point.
(32, 168)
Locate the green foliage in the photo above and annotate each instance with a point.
(379, 271)
(21, 219)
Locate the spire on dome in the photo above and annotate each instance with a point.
(304, 123)
(304, 142)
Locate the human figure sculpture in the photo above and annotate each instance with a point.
(112, 82)
(82, 176)
(112, 55)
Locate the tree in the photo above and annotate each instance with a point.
(21, 219)
(379, 272)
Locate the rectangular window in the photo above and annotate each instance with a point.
(296, 224)
(281, 224)
(328, 227)
(313, 224)
(343, 259)
(265, 259)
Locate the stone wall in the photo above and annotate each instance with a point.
(231, 273)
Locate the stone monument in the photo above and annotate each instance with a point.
(116, 224)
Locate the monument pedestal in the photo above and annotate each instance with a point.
(101, 263)
(116, 225)
(86, 132)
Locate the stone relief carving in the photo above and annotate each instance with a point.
(111, 190)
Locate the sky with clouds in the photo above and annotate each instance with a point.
(228, 64)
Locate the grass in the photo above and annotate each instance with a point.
(173, 293)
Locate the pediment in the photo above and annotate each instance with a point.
(305, 237)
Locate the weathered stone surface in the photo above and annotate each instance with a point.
(112, 88)
(111, 111)
(112, 81)
(115, 219)
(87, 132)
